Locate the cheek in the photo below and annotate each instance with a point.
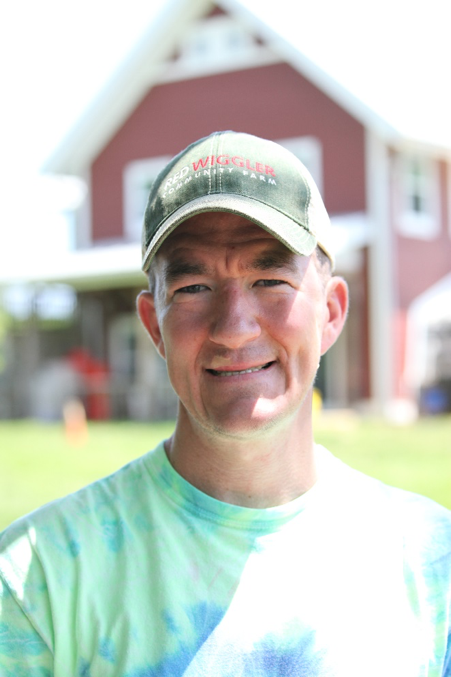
(300, 322)
(300, 333)
(181, 326)
(182, 339)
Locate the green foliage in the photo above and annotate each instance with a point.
(38, 463)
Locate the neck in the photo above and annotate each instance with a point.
(258, 472)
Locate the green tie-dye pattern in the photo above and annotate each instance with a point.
(142, 575)
(16, 643)
(19, 671)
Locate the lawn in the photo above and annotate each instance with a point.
(38, 463)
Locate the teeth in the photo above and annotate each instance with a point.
(243, 371)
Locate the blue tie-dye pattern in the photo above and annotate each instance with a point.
(269, 660)
(204, 617)
(447, 662)
(18, 643)
(107, 650)
(73, 544)
(84, 668)
(113, 532)
(170, 623)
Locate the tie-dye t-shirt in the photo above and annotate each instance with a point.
(142, 575)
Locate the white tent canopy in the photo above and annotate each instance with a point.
(427, 313)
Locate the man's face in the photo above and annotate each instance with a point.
(241, 322)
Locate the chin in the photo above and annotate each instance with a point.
(263, 418)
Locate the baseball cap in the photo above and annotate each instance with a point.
(241, 174)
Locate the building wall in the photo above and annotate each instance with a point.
(272, 101)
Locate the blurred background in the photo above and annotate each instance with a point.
(98, 96)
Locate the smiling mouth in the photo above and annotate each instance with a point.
(251, 370)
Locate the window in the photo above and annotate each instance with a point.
(139, 176)
(308, 150)
(418, 209)
(46, 301)
(138, 179)
(215, 39)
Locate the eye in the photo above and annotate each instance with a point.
(191, 289)
(269, 283)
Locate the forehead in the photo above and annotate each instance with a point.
(212, 231)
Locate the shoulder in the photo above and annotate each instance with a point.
(426, 526)
(99, 509)
(45, 555)
(421, 524)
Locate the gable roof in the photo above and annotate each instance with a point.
(147, 65)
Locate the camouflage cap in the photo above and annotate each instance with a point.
(241, 174)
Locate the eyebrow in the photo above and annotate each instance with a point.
(177, 270)
(275, 260)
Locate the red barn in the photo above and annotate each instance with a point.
(209, 66)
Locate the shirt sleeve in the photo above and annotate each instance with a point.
(23, 652)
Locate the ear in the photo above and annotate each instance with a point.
(337, 309)
(145, 304)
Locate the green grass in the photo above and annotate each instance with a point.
(416, 457)
(38, 464)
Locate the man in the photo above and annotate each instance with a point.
(238, 546)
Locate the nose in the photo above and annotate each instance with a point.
(234, 320)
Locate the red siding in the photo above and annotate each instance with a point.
(272, 101)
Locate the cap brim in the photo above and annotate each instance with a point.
(293, 235)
